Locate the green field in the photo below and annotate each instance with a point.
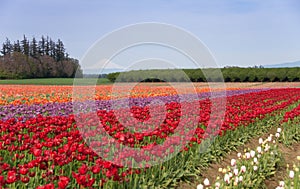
(55, 81)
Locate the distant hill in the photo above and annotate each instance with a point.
(284, 65)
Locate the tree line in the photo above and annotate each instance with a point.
(228, 74)
(43, 58)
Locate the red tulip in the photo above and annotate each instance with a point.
(83, 169)
(2, 180)
(23, 171)
(63, 182)
(25, 179)
(37, 152)
(11, 177)
(96, 169)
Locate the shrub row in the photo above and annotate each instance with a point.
(232, 74)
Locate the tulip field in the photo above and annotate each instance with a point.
(46, 143)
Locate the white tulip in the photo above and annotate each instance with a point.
(236, 172)
(227, 178)
(206, 182)
(260, 141)
(240, 178)
(233, 162)
(255, 168)
(281, 183)
(243, 169)
(200, 186)
(258, 149)
(269, 139)
(252, 153)
(291, 175)
(278, 130)
(255, 160)
(236, 180)
(247, 155)
(277, 135)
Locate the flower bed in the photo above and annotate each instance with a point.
(49, 151)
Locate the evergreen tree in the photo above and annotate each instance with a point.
(25, 46)
(17, 46)
(42, 45)
(33, 48)
(3, 49)
(60, 50)
(7, 48)
(52, 49)
(47, 46)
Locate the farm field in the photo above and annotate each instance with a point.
(49, 139)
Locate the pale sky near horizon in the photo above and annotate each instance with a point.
(237, 32)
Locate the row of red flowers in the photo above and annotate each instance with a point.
(291, 114)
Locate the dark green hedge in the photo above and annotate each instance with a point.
(233, 74)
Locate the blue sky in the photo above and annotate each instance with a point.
(237, 32)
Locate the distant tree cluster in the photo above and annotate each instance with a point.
(260, 74)
(229, 74)
(34, 58)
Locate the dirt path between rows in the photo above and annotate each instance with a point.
(289, 155)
